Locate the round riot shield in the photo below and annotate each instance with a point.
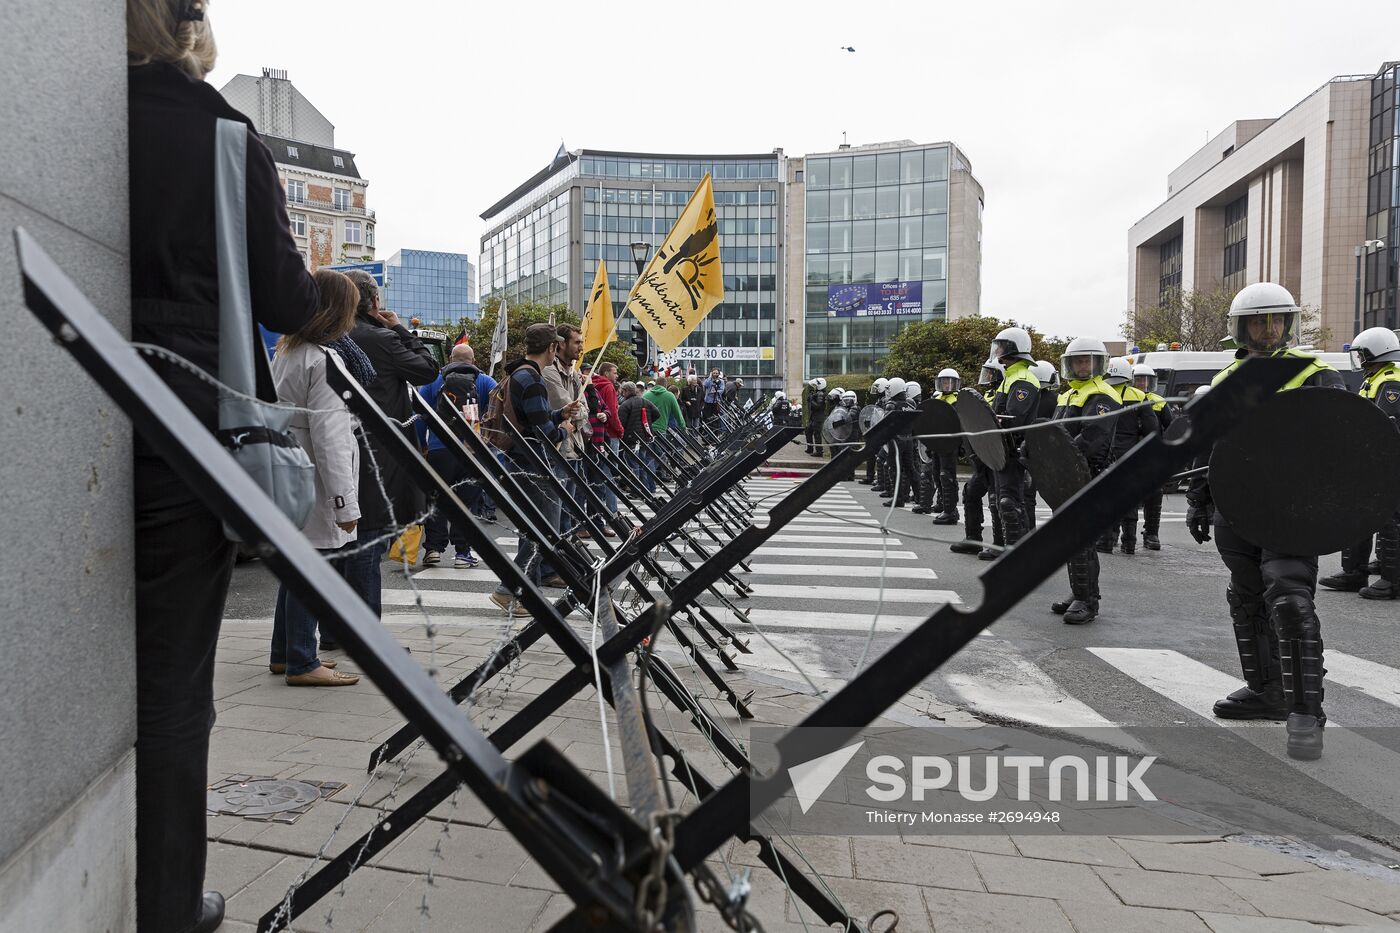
(870, 416)
(1056, 465)
(976, 418)
(1309, 472)
(840, 427)
(937, 417)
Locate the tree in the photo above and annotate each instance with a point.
(522, 315)
(1199, 320)
(920, 350)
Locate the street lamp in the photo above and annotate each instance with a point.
(1363, 250)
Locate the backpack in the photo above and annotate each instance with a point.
(458, 391)
(499, 410)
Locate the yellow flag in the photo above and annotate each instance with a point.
(683, 281)
(598, 324)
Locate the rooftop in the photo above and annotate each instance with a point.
(312, 158)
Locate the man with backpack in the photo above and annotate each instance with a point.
(637, 416)
(462, 389)
(565, 385)
(523, 400)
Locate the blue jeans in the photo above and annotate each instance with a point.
(438, 527)
(361, 569)
(294, 627)
(526, 550)
(567, 519)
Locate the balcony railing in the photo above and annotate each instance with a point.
(316, 204)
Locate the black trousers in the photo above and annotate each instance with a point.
(183, 564)
(1259, 574)
(813, 432)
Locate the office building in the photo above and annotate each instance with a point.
(544, 240)
(436, 288)
(886, 234)
(326, 207)
(1307, 200)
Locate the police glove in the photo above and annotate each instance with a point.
(1198, 520)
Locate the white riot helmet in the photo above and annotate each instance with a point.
(1083, 348)
(818, 383)
(1046, 373)
(848, 398)
(947, 381)
(1374, 345)
(834, 395)
(895, 388)
(1145, 377)
(878, 386)
(912, 391)
(1013, 343)
(1120, 372)
(1264, 318)
(992, 374)
(779, 395)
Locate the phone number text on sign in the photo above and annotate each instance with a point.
(684, 354)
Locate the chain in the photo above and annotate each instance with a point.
(653, 889)
(731, 902)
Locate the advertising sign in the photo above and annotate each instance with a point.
(875, 298)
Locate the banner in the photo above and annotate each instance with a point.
(498, 338)
(691, 354)
(871, 299)
(683, 281)
(598, 324)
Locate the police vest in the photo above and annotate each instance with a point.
(1314, 367)
(1079, 395)
(1130, 394)
(1371, 387)
(1156, 400)
(1018, 371)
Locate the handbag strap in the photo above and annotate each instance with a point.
(231, 227)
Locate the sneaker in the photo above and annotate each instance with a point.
(464, 560)
(490, 517)
(509, 603)
(432, 558)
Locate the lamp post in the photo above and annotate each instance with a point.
(1363, 250)
(641, 252)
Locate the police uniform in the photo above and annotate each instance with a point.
(1383, 388)
(1094, 439)
(1152, 505)
(979, 486)
(1015, 403)
(1132, 426)
(816, 414)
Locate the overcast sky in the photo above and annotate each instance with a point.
(1071, 113)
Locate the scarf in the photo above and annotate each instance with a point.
(355, 360)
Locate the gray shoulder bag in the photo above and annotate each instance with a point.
(254, 433)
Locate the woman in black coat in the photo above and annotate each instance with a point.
(183, 560)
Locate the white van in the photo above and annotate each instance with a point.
(1180, 372)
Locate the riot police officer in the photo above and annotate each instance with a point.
(877, 394)
(816, 414)
(981, 484)
(1016, 403)
(947, 383)
(1132, 426)
(898, 480)
(1082, 368)
(781, 409)
(1271, 595)
(1048, 374)
(1145, 381)
(848, 401)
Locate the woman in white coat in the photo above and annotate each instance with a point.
(325, 428)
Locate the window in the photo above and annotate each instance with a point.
(298, 224)
(369, 236)
(292, 152)
(296, 191)
(339, 162)
(352, 231)
(340, 198)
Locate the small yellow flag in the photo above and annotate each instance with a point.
(598, 323)
(683, 281)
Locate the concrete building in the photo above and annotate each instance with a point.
(67, 813)
(436, 288)
(544, 240)
(1284, 200)
(880, 236)
(325, 193)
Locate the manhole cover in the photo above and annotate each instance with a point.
(270, 799)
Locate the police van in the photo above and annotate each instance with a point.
(1181, 372)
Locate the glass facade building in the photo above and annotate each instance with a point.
(877, 254)
(436, 288)
(545, 240)
(1383, 201)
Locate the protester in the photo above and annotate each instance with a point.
(565, 385)
(539, 424)
(460, 384)
(668, 405)
(323, 427)
(398, 357)
(693, 399)
(714, 394)
(605, 429)
(183, 559)
(637, 416)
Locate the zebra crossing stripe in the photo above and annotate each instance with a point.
(871, 554)
(831, 621)
(852, 593)
(1006, 684)
(1374, 680)
(786, 539)
(763, 569)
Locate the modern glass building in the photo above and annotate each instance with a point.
(1382, 263)
(436, 288)
(891, 235)
(544, 241)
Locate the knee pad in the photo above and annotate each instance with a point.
(1295, 617)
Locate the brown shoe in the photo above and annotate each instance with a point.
(322, 677)
(282, 668)
(584, 533)
(505, 601)
(555, 582)
(609, 533)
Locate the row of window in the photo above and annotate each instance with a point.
(621, 252)
(659, 227)
(677, 198)
(906, 265)
(294, 153)
(354, 231)
(928, 197)
(341, 198)
(679, 168)
(889, 233)
(883, 168)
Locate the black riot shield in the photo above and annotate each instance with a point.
(1056, 465)
(841, 426)
(976, 418)
(870, 416)
(937, 417)
(1311, 471)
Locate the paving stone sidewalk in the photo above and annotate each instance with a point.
(481, 879)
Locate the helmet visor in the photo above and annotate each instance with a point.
(1081, 367)
(1145, 382)
(989, 377)
(949, 384)
(1265, 333)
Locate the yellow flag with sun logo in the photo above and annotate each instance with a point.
(684, 280)
(598, 324)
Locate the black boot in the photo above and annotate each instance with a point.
(1300, 656)
(211, 913)
(1062, 606)
(1081, 612)
(1151, 542)
(1381, 589)
(1084, 584)
(972, 544)
(1129, 538)
(946, 518)
(1257, 644)
(1152, 521)
(1346, 582)
(991, 552)
(1388, 557)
